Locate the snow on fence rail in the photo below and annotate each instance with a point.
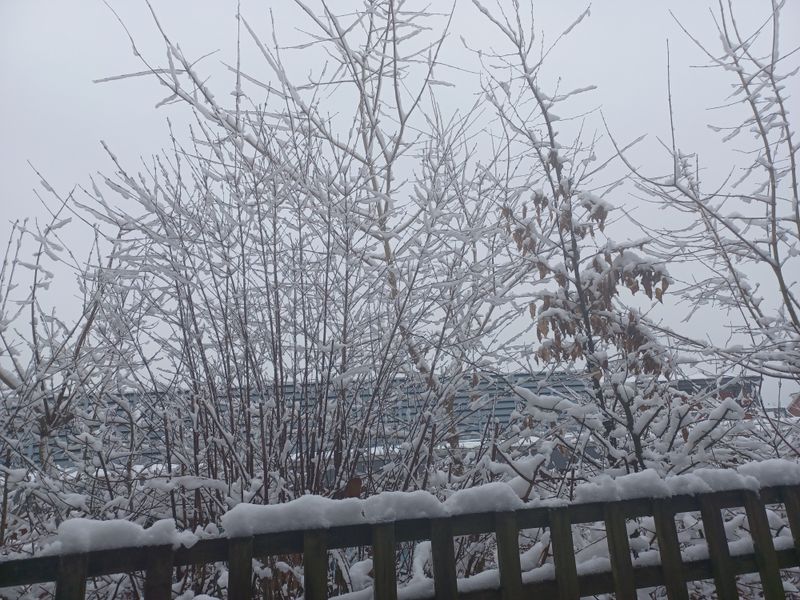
(312, 526)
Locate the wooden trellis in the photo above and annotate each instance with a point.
(70, 572)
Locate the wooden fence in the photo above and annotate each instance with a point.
(624, 578)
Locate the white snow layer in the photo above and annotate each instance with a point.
(86, 535)
(311, 512)
(648, 484)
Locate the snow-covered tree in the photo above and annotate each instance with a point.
(587, 323)
(293, 300)
(745, 229)
(738, 238)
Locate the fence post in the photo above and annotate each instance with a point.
(766, 557)
(71, 583)
(158, 576)
(791, 500)
(507, 533)
(718, 550)
(619, 550)
(383, 562)
(670, 550)
(315, 565)
(444, 559)
(240, 568)
(563, 554)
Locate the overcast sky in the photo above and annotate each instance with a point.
(55, 117)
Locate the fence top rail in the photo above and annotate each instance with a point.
(40, 569)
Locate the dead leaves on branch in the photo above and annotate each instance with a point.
(585, 304)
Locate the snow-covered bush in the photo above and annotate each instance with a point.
(263, 299)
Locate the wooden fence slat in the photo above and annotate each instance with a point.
(444, 559)
(670, 550)
(383, 562)
(764, 547)
(718, 550)
(71, 582)
(240, 568)
(315, 565)
(507, 533)
(620, 552)
(158, 575)
(563, 554)
(791, 500)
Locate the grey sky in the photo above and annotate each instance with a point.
(54, 116)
